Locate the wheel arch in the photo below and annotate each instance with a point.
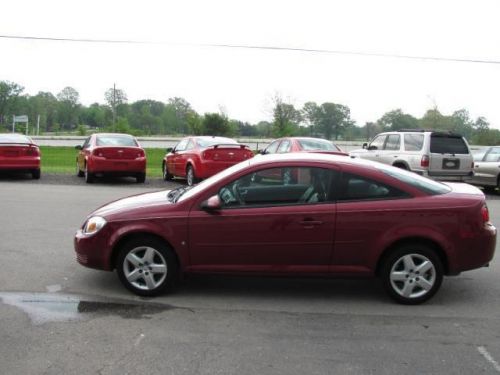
(403, 163)
(431, 244)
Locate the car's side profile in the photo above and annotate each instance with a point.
(338, 217)
(197, 158)
(111, 154)
(18, 153)
(487, 168)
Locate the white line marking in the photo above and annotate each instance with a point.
(139, 339)
(488, 357)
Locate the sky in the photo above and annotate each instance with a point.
(175, 61)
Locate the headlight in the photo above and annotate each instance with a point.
(94, 225)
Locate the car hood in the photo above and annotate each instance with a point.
(146, 200)
(358, 151)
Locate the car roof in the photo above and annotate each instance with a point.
(113, 134)
(312, 157)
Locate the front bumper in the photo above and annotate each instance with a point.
(94, 251)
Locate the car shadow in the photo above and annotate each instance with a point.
(14, 176)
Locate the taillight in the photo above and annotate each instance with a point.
(424, 162)
(33, 151)
(485, 214)
(141, 154)
(98, 153)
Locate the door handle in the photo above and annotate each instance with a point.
(310, 223)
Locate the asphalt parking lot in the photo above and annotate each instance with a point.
(57, 317)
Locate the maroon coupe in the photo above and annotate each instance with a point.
(339, 217)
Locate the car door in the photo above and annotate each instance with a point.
(375, 148)
(267, 225)
(487, 170)
(391, 149)
(81, 154)
(177, 158)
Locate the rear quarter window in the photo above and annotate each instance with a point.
(413, 142)
(445, 144)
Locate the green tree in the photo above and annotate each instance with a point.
(9, 93)
(68, 107)
(334, 119)
(216, 124)
(114, 97)
(286, 118)
(398, 120)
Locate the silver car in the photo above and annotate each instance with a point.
(487, 168)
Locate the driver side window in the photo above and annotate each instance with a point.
(280, 186)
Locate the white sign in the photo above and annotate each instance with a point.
(22, 118)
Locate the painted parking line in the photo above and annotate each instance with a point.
(488, 357)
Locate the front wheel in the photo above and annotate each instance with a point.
(412, 274)
(167, 176)
(79, 172)
(146, 266)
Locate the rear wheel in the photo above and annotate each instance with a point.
(89, 177)
(412, 274)
(166, 174)
(141, 178)
(146, 266)
(35, 174)
(190, 176)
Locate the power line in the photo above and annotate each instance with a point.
(258, 47)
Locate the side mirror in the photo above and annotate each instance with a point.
(79, 147)
(212, 203)
(365, 145)
(169, 149)
(262, 152)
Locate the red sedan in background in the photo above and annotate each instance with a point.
(302, 144)
(344, 217)
(196, 158)
(111, 154)
(19, 153)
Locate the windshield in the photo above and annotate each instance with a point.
(116, 140)
(207, 142)
(213, 180)
(423, 184)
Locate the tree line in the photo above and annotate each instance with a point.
(63, 113)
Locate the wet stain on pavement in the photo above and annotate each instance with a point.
(50, 307)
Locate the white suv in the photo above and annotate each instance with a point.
(439, 155)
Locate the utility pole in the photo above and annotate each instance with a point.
(114, 106)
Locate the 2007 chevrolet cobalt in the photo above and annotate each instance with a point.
(295, 214)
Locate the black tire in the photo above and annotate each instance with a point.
(140, 178)
(79, 172)
(403, 278)
(89, 177)
(35, 174)
(148, 283)
(191, 178)
(166, 174)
